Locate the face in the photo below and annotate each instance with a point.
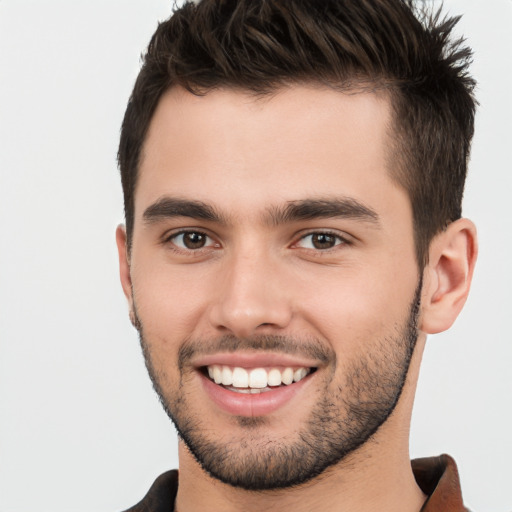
(273, 277)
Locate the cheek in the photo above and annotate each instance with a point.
(355, 309)
(167, 310)
(169, 302)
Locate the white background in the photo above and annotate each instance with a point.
(80, 427)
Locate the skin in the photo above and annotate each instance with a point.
(245, 157)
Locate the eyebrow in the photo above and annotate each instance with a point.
(310, 209)
(169, 207)
(306, 209)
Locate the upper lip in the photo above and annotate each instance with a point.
(255, 360)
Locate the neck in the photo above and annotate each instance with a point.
(375, 478)
(375, 486)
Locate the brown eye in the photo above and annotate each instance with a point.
(191, 240)
(323, 241)
(320, 241)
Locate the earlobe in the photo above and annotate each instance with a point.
(124, 264)
(447, 276)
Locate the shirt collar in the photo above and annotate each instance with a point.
(438, 478)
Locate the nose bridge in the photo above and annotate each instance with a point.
(250, 293)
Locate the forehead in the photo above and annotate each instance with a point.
(241, 151)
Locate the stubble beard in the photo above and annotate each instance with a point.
(344, 419)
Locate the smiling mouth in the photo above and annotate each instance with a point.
(255, 380)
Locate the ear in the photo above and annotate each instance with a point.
(447, 276)
(124, 265)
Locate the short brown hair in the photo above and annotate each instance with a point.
(261, 45)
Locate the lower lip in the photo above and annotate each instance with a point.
(251, 405)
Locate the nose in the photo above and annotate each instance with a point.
(251, 297)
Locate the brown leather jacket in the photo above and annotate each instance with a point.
(438, 478)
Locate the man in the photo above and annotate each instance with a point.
(293, 174)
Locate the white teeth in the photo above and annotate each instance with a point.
(217, 374)
(240, 378)
(287, 376)
(256, 379)
(227, 376)
(245, 391)
(248, 391)
(274, 377)
(299, 374)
